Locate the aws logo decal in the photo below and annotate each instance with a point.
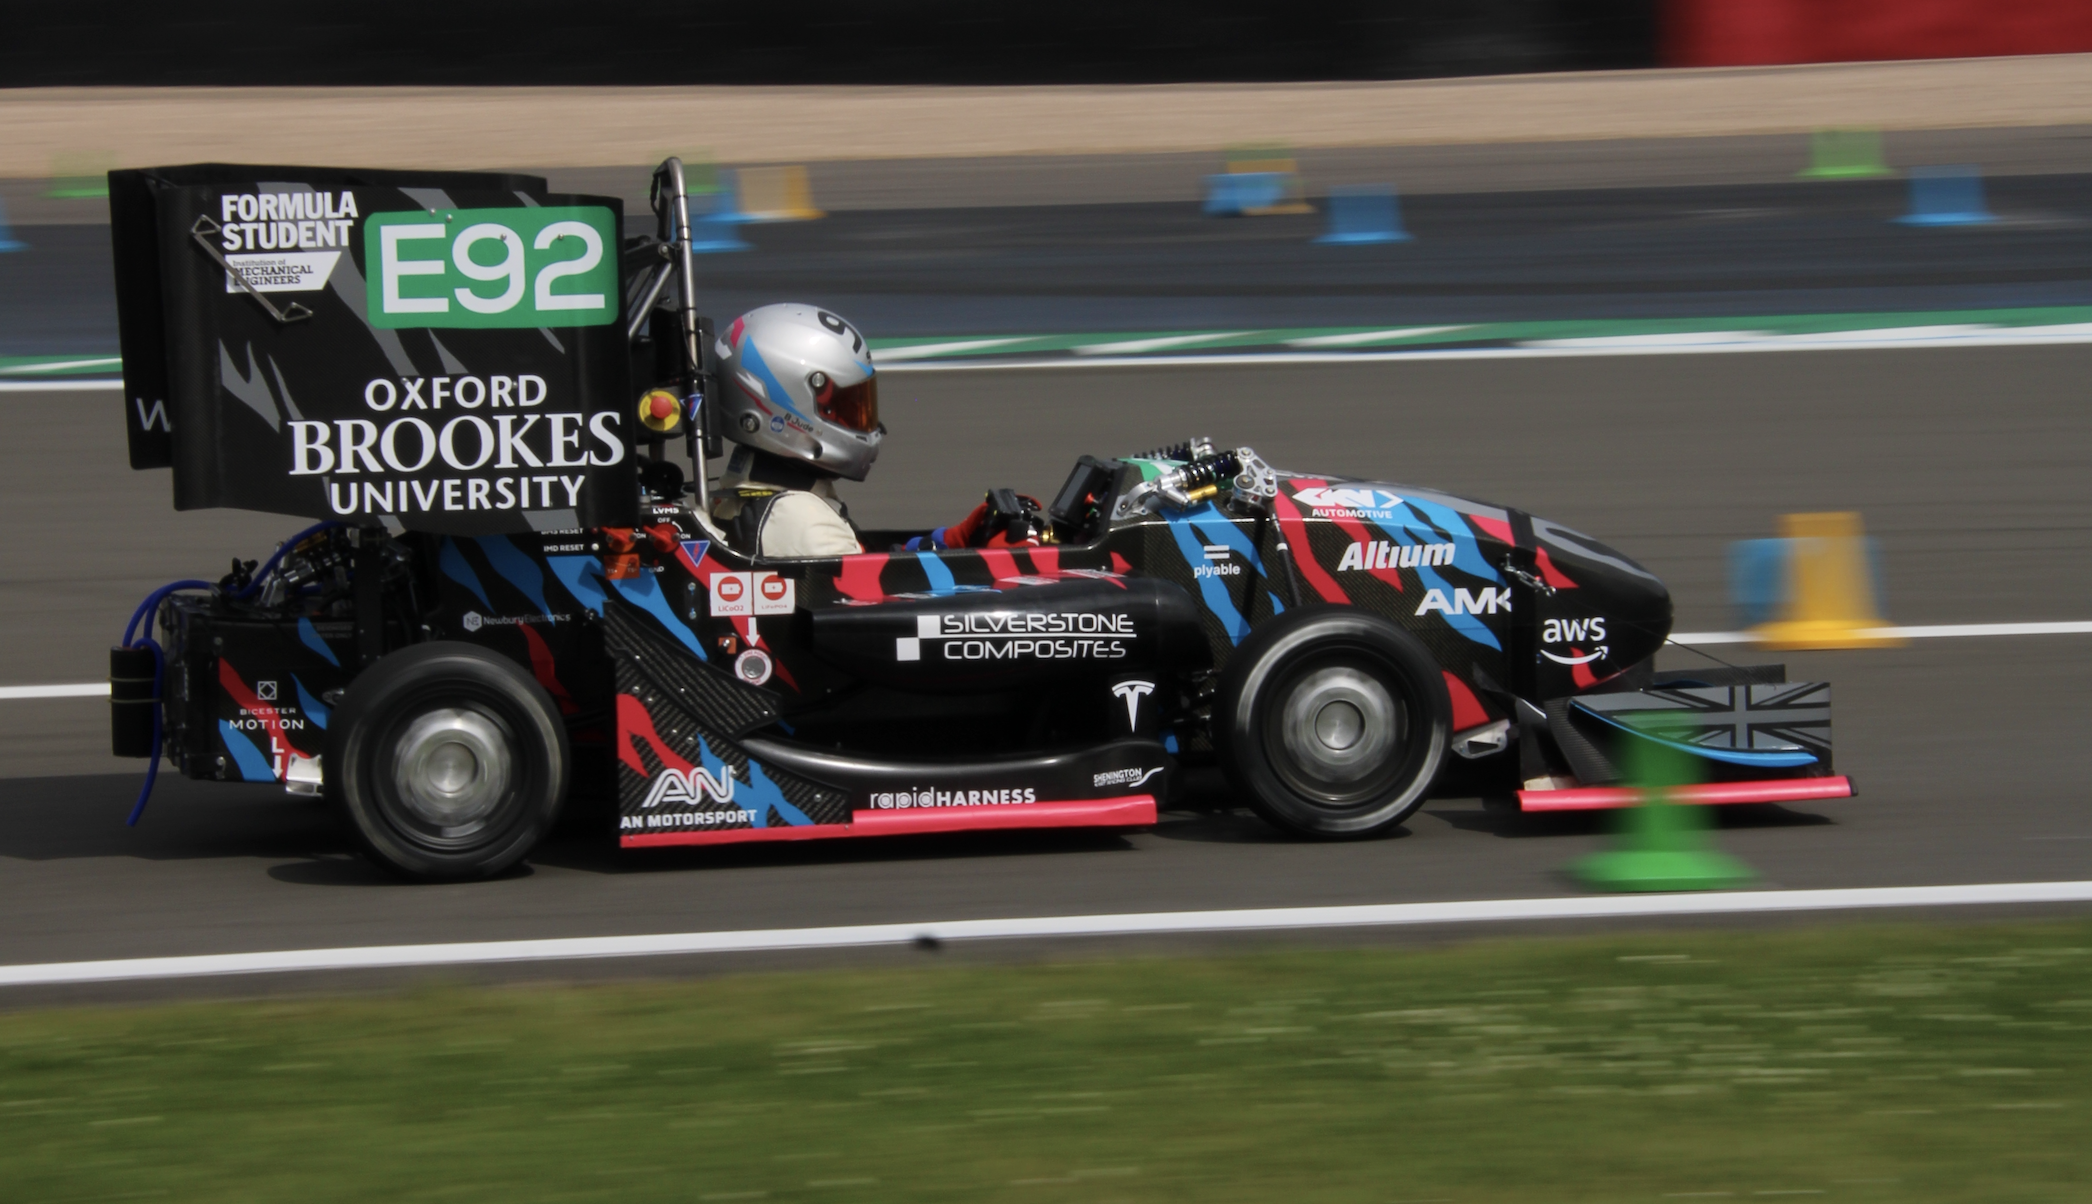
(1574, 631)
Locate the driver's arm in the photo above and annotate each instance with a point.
(800, 526)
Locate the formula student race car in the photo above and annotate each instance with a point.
(509, 598)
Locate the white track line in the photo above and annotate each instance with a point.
(61, 386)
(1092, 357)
(1855, 340)
(100, 689)
(83, 689)
(1950, 631)
(1153, 923)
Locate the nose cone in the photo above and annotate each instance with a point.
(1592, 581)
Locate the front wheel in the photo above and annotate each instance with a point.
(447, 762)
(1332, 721)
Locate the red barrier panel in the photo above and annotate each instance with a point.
(1731, 33)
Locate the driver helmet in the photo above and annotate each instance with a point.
(797, 381)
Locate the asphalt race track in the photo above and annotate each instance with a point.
(1795, 247)
(1969, 465)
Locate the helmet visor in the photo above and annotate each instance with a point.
(855, 408)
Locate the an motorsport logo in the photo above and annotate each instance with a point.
(906, 799)
(1381, 554)
(1218, 563)
(1018, 635)
(679, 789)
(1348, 501)
(472, 620)
(1574, 631)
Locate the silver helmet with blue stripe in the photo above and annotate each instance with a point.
(797, 381)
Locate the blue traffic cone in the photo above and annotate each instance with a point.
(1363, 213)
(7, 237)
(1235, 193)
(1947, 196)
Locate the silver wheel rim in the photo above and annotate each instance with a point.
(452, 769)
(1340, 725)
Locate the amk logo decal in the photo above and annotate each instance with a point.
(491, 267)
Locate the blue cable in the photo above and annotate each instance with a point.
(152, 768)
(269, 565)
(151, 607)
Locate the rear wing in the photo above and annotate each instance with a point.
(436, 351)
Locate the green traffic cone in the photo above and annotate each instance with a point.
(1845, 155)
(1664, 845)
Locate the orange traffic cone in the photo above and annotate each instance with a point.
(1830, 596)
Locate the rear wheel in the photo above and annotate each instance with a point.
(1332, 721)
(447, 762)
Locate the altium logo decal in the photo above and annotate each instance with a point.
(1381, 554)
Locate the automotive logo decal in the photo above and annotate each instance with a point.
(1133, 692)
(1348, 501)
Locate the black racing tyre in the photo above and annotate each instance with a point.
(1332, 721)
(447, 762)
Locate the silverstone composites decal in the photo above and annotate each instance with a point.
(454, 362)
(1018, 636)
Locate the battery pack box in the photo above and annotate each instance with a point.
(248, 698)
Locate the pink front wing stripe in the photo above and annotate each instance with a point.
(1602, 798)
(1132, 811)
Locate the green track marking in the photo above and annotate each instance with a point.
(35, 366)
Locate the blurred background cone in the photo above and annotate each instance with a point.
(1830, 587)
(1662, 845)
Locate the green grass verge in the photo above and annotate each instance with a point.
(1867, 1063)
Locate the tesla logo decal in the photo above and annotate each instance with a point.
(1133, 692)
(689, 789)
